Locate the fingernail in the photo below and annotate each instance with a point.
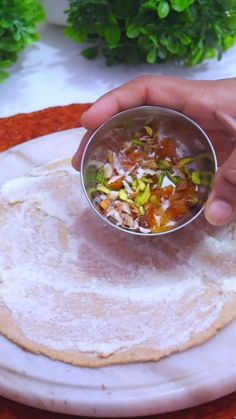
(219, 212)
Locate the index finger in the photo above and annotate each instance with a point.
(194, 98)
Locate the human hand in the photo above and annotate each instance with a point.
(210, 103)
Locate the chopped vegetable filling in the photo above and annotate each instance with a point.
(148, 185)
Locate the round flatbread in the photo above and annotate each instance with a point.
(77, 290)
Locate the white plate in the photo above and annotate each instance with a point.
(179, 381)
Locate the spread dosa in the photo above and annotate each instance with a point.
(77, 290)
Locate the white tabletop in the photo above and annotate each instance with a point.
(52, 73)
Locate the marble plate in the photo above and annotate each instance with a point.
(179, 381)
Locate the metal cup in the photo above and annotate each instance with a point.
(169, 123)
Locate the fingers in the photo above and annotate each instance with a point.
(228, 122)
(76, 160)
(221, 205)
(223, 144)
(191, 97)
(152, 90)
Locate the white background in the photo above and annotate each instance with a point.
(52, 73)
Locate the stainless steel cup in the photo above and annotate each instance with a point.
(168, 122)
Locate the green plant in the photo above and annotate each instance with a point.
(18, 19)
(134, 31)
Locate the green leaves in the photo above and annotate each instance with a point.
(112, 35)
(90, 53)
(153, 30)
(3, 75)
(152, 55)
(163, 9)
(133, 31)
(181, 5)
(18, 19)
(76, 34)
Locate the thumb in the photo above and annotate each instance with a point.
(221, 205)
